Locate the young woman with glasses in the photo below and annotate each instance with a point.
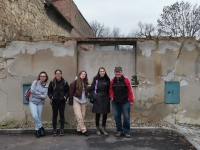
(39, 91)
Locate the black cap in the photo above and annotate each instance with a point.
(118, 69)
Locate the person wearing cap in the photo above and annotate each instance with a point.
(122, 97)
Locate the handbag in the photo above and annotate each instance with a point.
(91, 96)
(28, 92)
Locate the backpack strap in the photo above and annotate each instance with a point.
(95, 89)
(65, 82)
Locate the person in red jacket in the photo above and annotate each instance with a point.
(122, 97)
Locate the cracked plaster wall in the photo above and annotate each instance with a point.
(156, 63)
(94, 58)
(23, 67)
(21, 63)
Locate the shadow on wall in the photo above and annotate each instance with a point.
(58, 18)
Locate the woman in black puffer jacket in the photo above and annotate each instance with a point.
(58, 93)
(100, 93)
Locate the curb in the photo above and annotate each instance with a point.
(72, 130)
(187, 137)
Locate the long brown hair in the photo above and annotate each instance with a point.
(98, 75)
(79, 81)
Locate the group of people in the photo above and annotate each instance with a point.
(103, 90)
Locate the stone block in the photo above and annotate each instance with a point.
(53, 38)
(23, 4)
(3, 13)
(1, 32)
(11, 18)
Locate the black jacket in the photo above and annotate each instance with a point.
(120, 90)
(102, 102)
(58, 92)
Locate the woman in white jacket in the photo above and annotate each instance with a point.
(39, 91)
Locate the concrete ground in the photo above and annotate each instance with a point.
(140, 140)
(190, 132)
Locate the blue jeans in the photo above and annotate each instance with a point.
(36, 112)
(124, 109)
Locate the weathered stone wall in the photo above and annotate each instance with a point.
(34, 37)
(70, 11)
(28, 20)
(156, 63)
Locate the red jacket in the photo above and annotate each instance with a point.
(130, 94)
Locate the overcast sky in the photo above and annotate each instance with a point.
(124, 14)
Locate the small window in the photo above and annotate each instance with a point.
(107, 48)
(125, 47)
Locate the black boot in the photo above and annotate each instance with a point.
(42, 133)
(54, 132)
(37, 133)
(61, 132)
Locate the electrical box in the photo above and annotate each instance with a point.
(172, 92)
(25, 88)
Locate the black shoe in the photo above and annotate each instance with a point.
(54, 132)
(42, 133)
(61, 132)
(85, 133)
(37, 133)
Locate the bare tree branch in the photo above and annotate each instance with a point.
(100, 30)
(144, 30)
(180, 20)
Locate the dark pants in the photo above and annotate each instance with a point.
(61, 108)
(97, 118)
(124, 109)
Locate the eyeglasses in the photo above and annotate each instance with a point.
(42, 76)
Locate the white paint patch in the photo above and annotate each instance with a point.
(163, 45)
(183, 83)
(170, 76)
(147, 47)
(183, 111)
(189, 46)
(58, 50)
